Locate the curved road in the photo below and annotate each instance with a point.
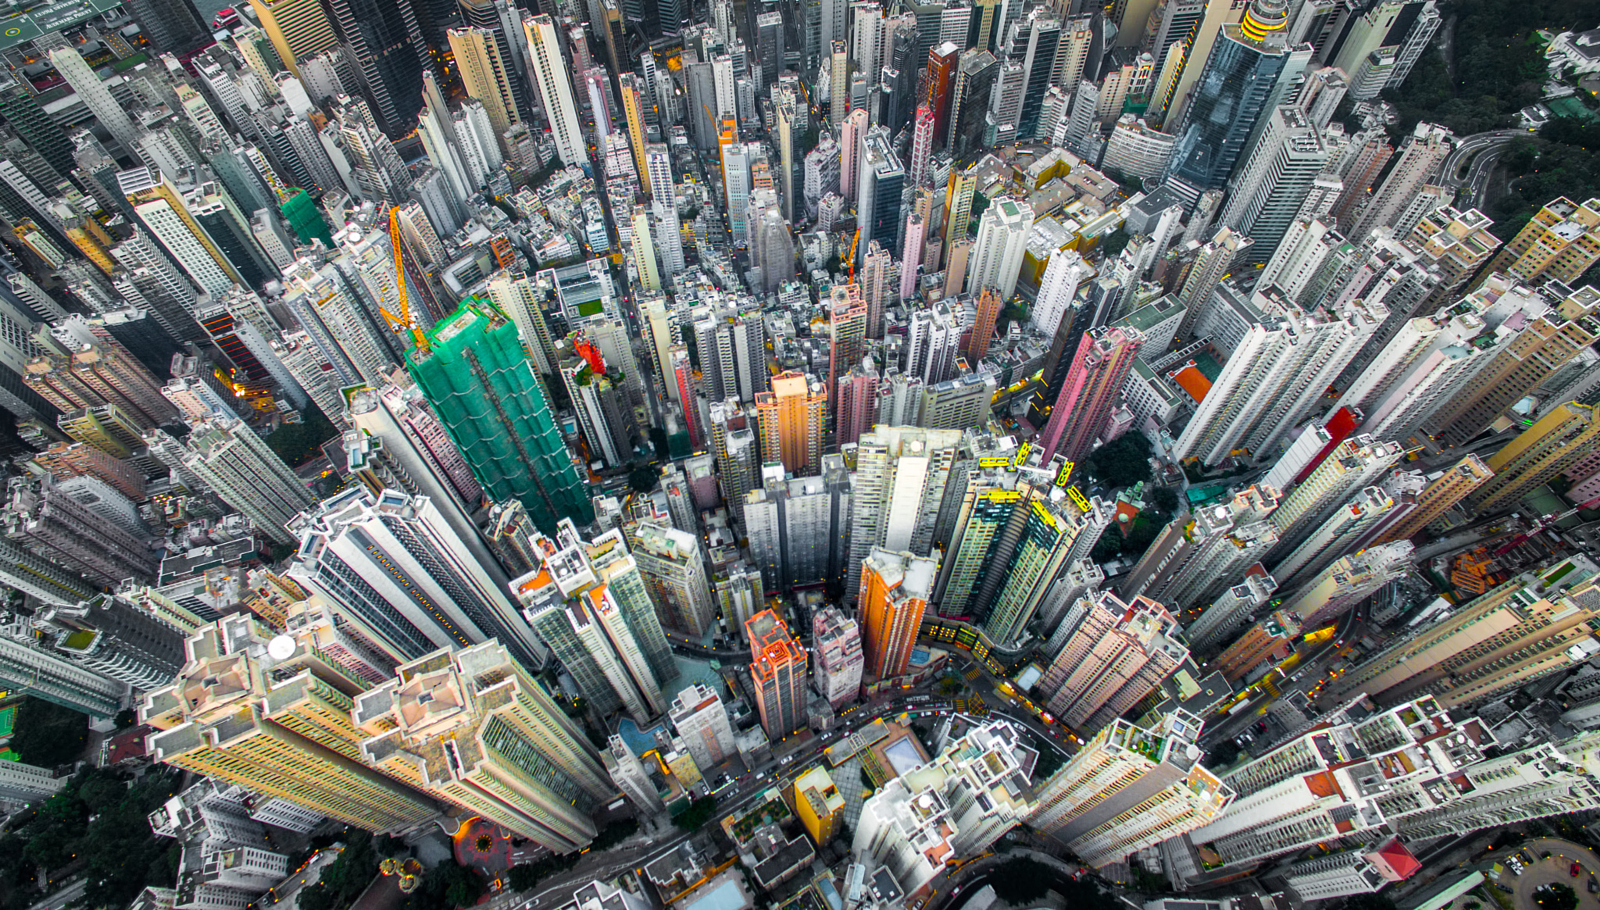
(1487, 148)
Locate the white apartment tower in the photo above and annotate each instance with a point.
(549, 71)
(1128, 788)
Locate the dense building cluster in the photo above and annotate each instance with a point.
(429, 414)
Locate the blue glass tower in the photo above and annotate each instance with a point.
(1233, 92)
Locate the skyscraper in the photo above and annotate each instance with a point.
(161, 207)
(895, 587)
(549, 70)
(880, 178)
(1514, 371)
(1553, 444)
(45, 519)
(701, 721)
(587, 609)
(1239, 80)
(996, 258)
(403, 573)
(486, 75)
(669, 560)
(836, 641)
(231, 459)
(792, 418)
(1265, 388)
(901, 475)
(1128, 788)
(481, 383)
(85, 82)
(1106, 656)
(1511, 634)
(1092, 388)
(276, 721)
(474, 729)
(664, 199)
(1441, 493)
(1271, 185)
(387, 44)
(777, 674)
(1561, 242)
(299, 30)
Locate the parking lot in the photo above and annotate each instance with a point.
(1556, 869)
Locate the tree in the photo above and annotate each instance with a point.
(1369, 902)
(1163, 498)
(1107, 547)
(298, 443)
(698, 813)
(523, 877)
(1115, 242)
(1022, 881)
(1222, 754)
(1122, 462)
(47, 735)
(643, 478)
(1048, 762)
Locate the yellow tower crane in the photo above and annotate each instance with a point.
(403, 321)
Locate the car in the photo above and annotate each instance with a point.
(1594, 886)
(1576, 868)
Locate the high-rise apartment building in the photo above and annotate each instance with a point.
(472, 728)
(47, 520)
(1130, 787)
(849, 323)
(953, 807)
(701, 721)
(398, 567)
(276, 720)
(1439, 496)
(1553, 444)
(793, 418)
(1284, 359)
(232, 460)
(1537, 351)
(895, 587)
(1420, 156)
(1339, 532)
(836, 642)
(1515, 632)
(1229, 610)
(1561, 242)
(161, 206)
(1347, 580)
(901, 474)
(1093, 387)
(549, 68)
(1106, 656)
(777, 675)
(668, 235)
(1257, 643)
(482, 386)
(1308, 793)
(669, 560)
(1198, 554)
(487, 75)
(86, 84)
(996, 258)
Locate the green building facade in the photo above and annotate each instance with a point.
(483, 387)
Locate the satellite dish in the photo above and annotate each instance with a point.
(281, 647)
